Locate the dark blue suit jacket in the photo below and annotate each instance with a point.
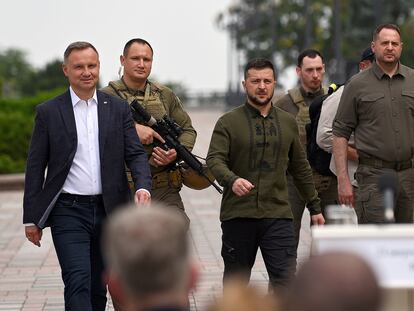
(53, 147)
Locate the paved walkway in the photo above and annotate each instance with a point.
(30, 276)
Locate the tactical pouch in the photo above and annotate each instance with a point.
(164, 179)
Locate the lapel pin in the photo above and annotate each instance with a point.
(105, 102)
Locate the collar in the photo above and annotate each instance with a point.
(254, 112)
(379, 73)
(134, 92)
(75, 98)
(310, 95)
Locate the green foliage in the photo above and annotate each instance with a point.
(407, 31)
(16, 123)
(280, 29)
(14, 70)
(19, 79)
(262, 28)
(46, 78)
(360, 18)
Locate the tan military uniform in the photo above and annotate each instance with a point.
(159, 101)
(297, 103)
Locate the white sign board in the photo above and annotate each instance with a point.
(388, 248)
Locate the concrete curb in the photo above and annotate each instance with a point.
(11, 182)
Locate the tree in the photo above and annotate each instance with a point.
(264, 28)
(47, 78)
(18, 78)
(15, 70)
(359, 18)
(280, 29)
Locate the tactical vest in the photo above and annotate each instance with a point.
(151, 100)
(153, 103)
(302, 117)
(322, 183)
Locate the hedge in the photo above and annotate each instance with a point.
(16, 124)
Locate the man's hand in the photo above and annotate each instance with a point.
(146, 134)
(33, 234)
(142, 198)
(318, 219)
(241, 187)
(345, 191)
(161, 157)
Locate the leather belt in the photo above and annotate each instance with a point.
(81, 198)
(378, 163)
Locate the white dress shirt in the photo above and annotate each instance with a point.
(85, 173)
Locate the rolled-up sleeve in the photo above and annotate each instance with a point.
(346, 117)
(329, 108)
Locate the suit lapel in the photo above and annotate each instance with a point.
(103, 120)
(68, 116)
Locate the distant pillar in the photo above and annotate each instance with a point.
(308, 26)
(378, 6)
(339, 73)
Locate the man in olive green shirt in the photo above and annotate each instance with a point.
(250, 151)
(158, 100)
(310, 70)
(378, 104)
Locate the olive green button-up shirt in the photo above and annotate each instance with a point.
(260, 149)
(380, 109)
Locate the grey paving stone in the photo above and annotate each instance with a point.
(30, 276)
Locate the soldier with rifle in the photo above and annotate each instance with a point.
(190, 167)
(158, 101)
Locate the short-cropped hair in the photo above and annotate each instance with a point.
(136, 40)
(78, 45)
(311, 53)
(148, 249)
(259, 63)
(385, 26)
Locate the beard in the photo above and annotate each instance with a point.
(259, 102)
(314, 86)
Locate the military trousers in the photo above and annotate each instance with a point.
(369, 201)
(243, 236)
(170, 197)
(328, 195)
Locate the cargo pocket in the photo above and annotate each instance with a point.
(361, 203)
(369, 206)
(228, 253)
(408, 100)
(371, 106)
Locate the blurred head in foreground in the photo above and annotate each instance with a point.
(238, 296)
(337, 281)
(148, 258)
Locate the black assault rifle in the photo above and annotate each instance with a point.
(170, 131)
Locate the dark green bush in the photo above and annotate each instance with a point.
(16, 124)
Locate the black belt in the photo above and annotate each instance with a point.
(378, 163)
(81, 198)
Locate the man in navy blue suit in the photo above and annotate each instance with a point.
(82, 140)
